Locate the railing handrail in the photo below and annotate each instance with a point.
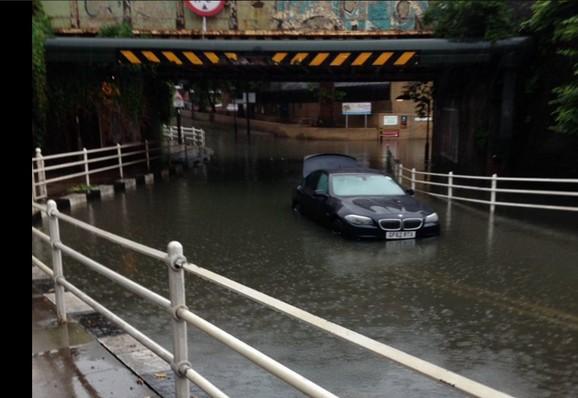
(39, 167)
(521, 179)
(93, 150)
(178, 262)
(492, 189)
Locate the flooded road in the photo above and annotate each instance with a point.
(496, 301)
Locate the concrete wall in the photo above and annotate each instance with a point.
(244, 16)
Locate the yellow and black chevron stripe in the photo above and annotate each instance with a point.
(314, 59)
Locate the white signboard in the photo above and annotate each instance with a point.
(244, 99)
(178, 100)
(390, 120)
(232, 107)
(356, 108)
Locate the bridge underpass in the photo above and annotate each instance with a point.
(464, 74)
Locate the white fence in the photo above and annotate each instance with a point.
(493, 188)
(181, 316)
(90, 161)
(191, 135)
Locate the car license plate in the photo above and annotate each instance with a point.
(400, 235)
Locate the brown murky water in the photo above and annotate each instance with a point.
(494, 300)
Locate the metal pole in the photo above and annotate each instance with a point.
(450, 184)
(493, 193)
(400, 169)
(413, 178)
(346, 121)
(119, 154)
(41, 172)
(365, 120)
(54, 233)
(86, 175)
(180, 131)
(247, 114)
(33, 186)
(426, 157)
(176, 260)
(147, 155)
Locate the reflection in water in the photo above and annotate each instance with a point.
(494, 300)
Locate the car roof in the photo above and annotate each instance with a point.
(356, 170)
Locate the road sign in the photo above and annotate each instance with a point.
(205, 8)
(356, 108)
(390, 120)
(178, 101)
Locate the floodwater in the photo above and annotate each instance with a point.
(495, 300)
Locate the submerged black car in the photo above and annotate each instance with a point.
(360, 202)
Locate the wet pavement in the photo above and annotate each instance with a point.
(67, 362)
(491, 299)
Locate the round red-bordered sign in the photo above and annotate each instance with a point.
(205, 8)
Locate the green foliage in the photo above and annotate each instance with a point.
(470, 19)
(554, 25)
(422, 94)
(41, 29)
(81, 188)
(117, 30)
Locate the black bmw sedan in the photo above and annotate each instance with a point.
(360, 202)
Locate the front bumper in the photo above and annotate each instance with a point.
(375, 232)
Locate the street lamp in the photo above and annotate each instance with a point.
(426, 100)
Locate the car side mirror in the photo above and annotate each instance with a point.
(410, 192)
(322, 193)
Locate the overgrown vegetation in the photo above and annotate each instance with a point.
(69, 99)
(553, 24)
(467, 19)
(40, 31)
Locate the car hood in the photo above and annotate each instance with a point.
(385, 206)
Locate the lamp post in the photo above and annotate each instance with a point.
(406, 97)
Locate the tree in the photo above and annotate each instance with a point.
(470, 19)
(554, 25)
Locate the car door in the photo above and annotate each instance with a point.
(321, 208)
(308, 193)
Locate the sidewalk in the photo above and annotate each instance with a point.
(68, 362)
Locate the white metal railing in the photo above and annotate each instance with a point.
(177, 264)
(191, 135)
(90, 161)
(493, 188)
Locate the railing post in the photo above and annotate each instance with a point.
(450, 184)
(119, 154)
(400, 170)
(86, 175)
(41, 172)
(147, 155)
(493, 193)
(33, 185)
(54, 233)
(413, 178)
(175, 260)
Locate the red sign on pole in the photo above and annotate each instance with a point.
(205, 8)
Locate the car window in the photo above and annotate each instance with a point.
(311, 180)
(323, 183)
(364, 185)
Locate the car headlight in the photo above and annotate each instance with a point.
(432, 218)
(358, 220)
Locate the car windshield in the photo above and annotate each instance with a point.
(364, 185)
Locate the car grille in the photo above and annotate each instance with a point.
(390, 224)
(412, 223)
